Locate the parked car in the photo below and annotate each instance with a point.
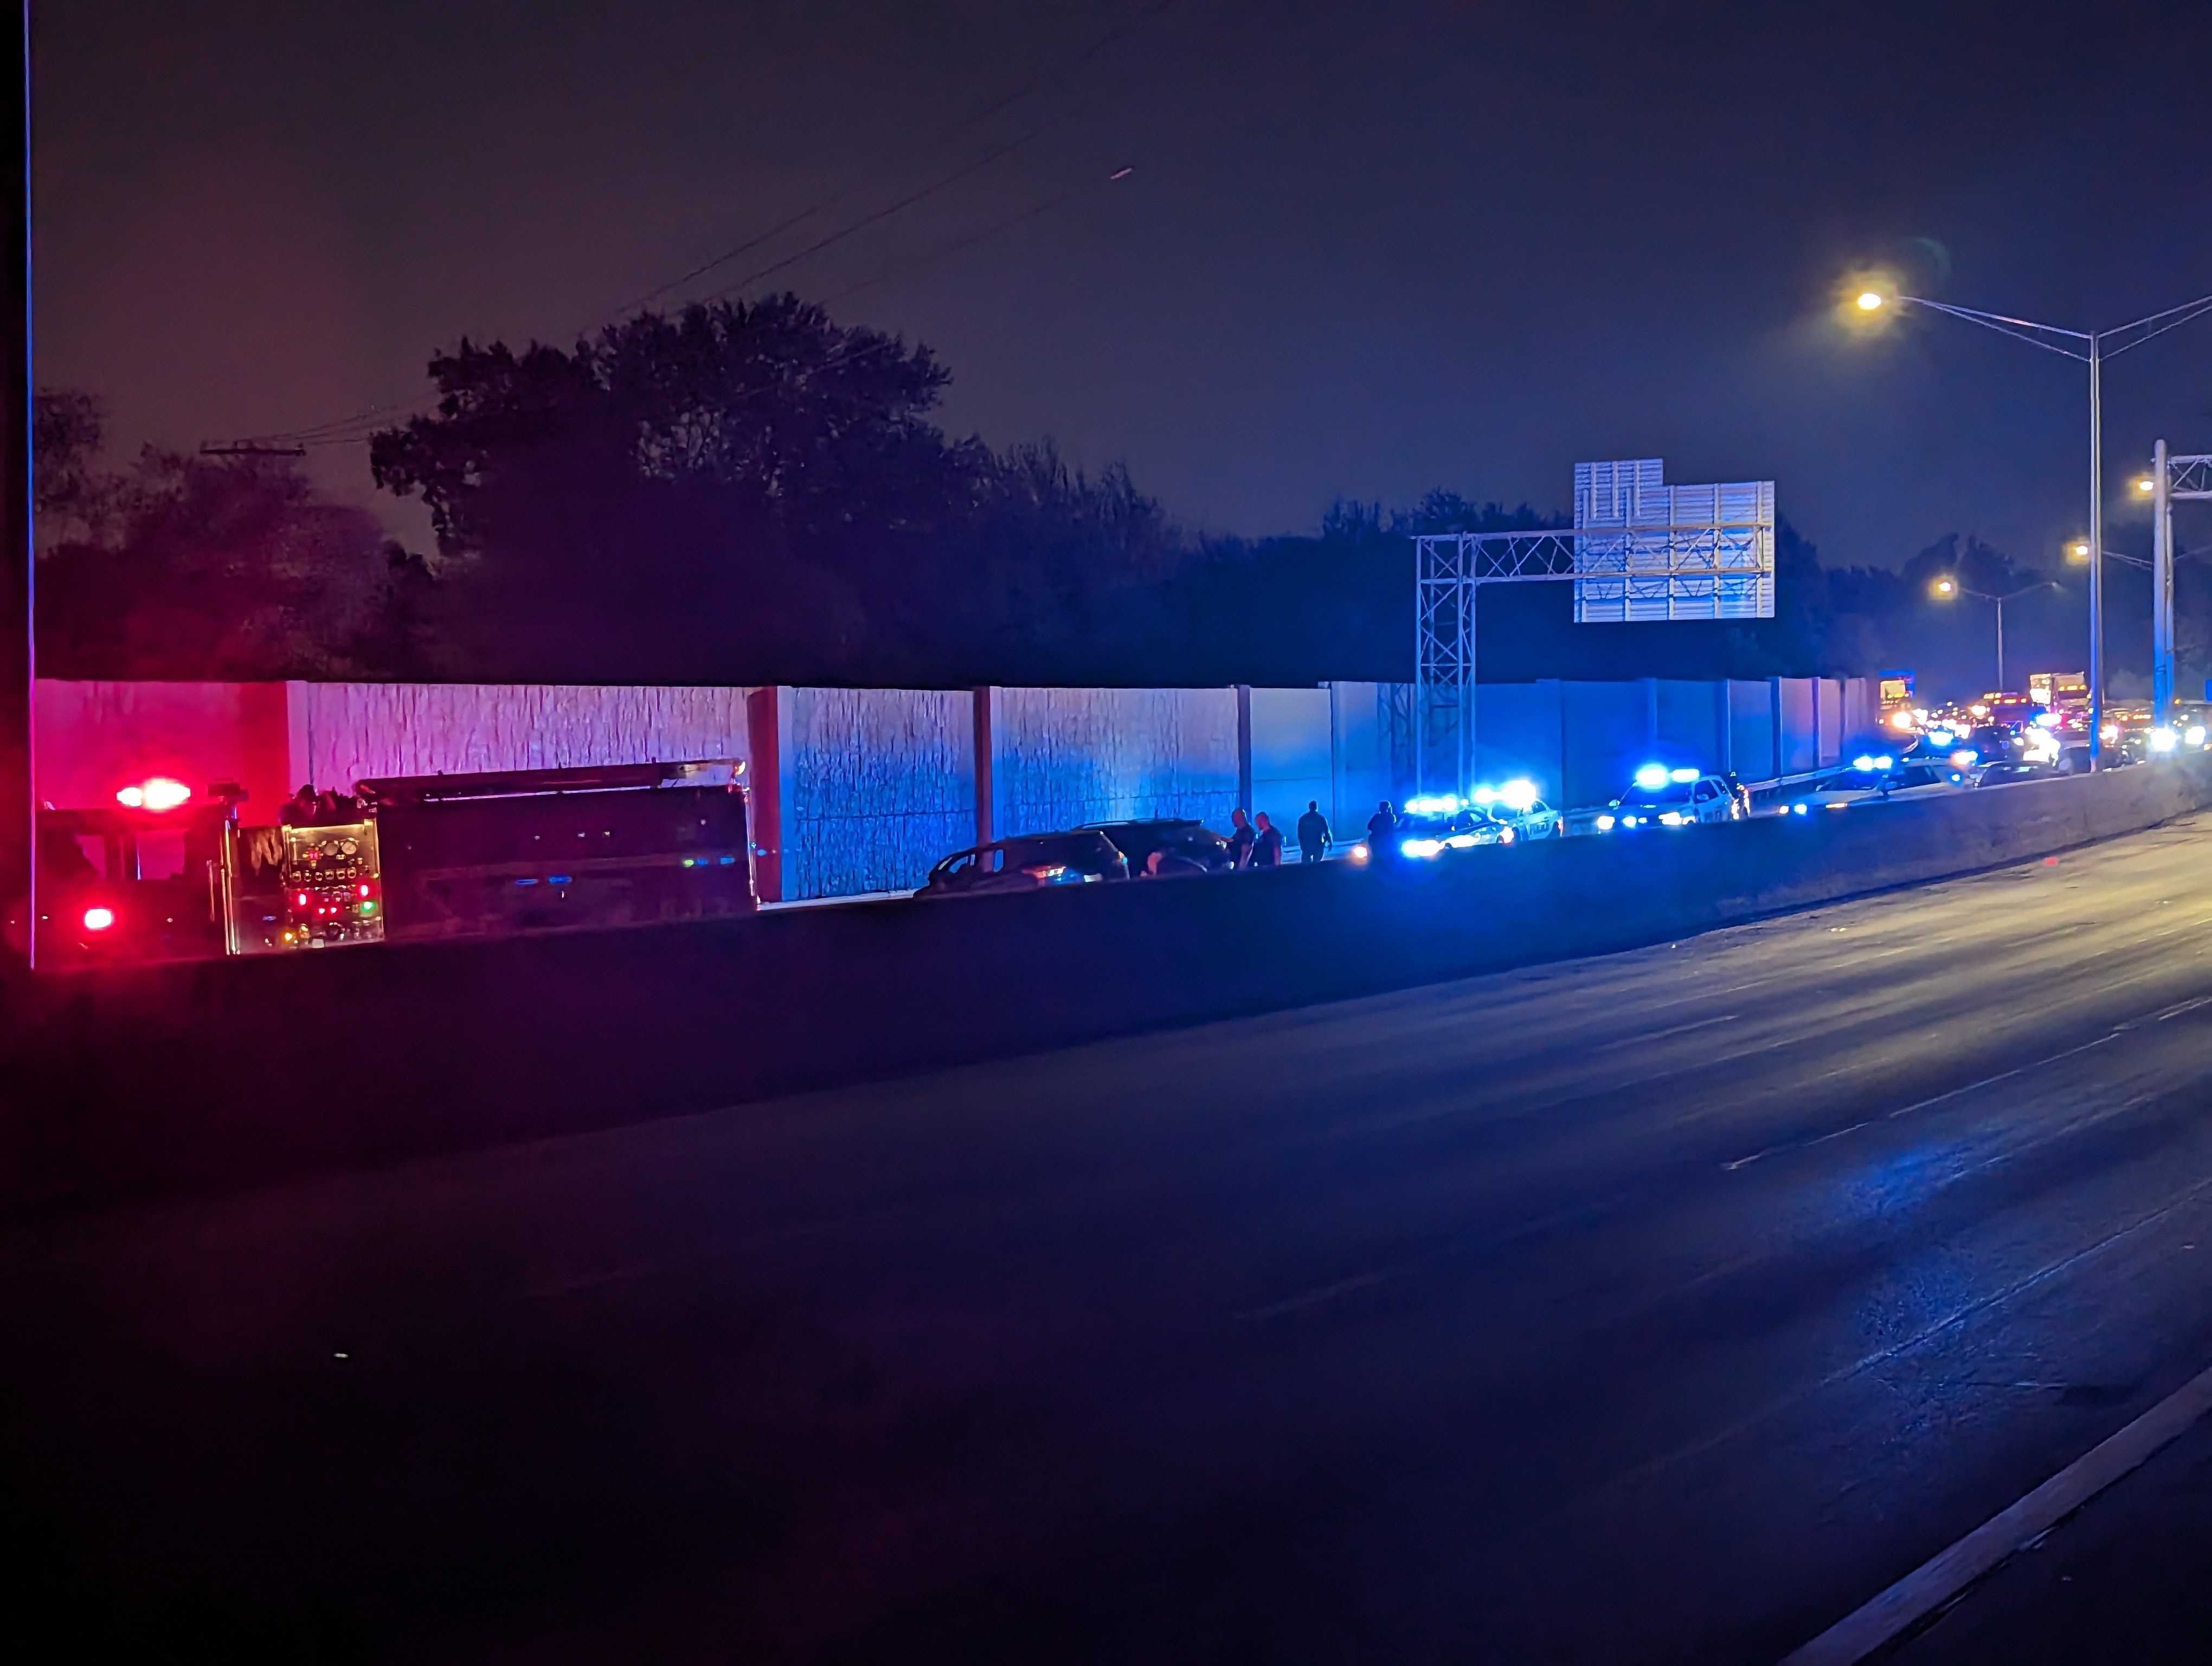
(1179, 839)
(1875, 781)
(1035, 862)
(1539, 821)
(1516, 815)
(2074, 760)
(2012, 772)
(1430, 827)
(1661, 797)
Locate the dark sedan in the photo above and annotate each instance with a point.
(2013, 772)
(1035, 862)
(1184, 845)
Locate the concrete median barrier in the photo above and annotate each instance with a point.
(231, 1072)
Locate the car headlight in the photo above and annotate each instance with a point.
(1672, 819)
(2193, 735)
(1605, 824)
(2163, 740)
(1799, 807)
(1628, 821)
(1423, 849)
(1357, 854)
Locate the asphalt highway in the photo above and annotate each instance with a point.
(1666, 1305)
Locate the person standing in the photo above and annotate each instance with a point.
(1382, 833)
(1314, 840)
(1267, 844)
(1240, 839)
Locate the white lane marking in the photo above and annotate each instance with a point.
(2006, 1075)
(1314, 1298)
(1661, 1034)
(1731, 1167)
(1943, 1577)
(1896, 1350)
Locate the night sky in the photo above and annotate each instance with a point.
(1362, 251)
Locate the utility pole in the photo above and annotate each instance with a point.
(2161, 590)
(19, 841)
(2096, 568)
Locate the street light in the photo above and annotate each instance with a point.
(1948, 587)
(2096, 346)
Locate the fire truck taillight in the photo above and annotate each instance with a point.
(99, 919)
(157, 792)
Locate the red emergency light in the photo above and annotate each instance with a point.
(98, 919)
(156, 793)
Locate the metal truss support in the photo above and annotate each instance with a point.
(1649, 568)
(2172, 478)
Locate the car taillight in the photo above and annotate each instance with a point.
(98, 919)
(1047, 872)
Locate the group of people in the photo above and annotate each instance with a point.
(1256, 842)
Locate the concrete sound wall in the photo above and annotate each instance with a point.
(1063, 757)
(1292, 738)
(1692, 721)
(224, 1071)
(877, 784)
(1365, 768)
(1520, 730)
(873, 785)
(344, 732)
(1751, 752)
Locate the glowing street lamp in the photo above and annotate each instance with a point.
(1946, 588)
(2092, 348)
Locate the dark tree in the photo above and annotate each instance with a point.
(204, 568)
(746, 493)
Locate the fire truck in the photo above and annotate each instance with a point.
(164, 874)
(157, 875)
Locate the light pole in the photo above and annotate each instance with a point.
(1947, 588)
(2095, 347)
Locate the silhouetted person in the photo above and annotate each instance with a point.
(1267, 844)
(1313, 833)
(1381, 833)
(1240, 839)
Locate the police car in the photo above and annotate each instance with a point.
(1875, 779)
(1661, 797)
(1516, 814)
(1431, 825)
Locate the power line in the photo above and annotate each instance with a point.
(982, 235)
(361, 424)
(1113, 37)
